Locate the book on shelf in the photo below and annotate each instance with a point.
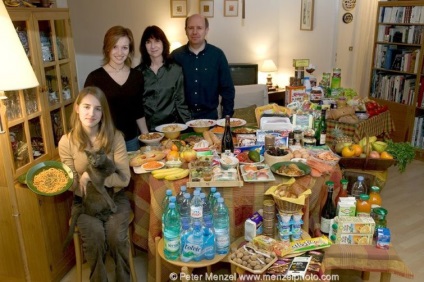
(419, 137)
(414, 132)
(420, 99)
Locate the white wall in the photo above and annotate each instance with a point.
(271, 29)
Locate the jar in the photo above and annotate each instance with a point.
(379, 216)
(309, 138)
(297, 137)
(363, 207)
(291, 138)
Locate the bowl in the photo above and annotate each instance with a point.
(174, 163)
(270, 159)
(201, 125)
(228, 162)
(171, 130)
(151, 138)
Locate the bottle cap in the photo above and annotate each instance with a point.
(375, 188)
(183, 188)
(360, 178)
(213, 189)
(344, 181)
(364, 197)
(172, 199)
(220, 200)
(329, 183)
(196, 193)
(172, 205)
(217, 195)
(187, 195)
(169, 192)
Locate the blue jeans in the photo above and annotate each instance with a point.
(132, 145)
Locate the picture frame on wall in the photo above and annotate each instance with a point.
(178, 8)
(231, 8)
(206, 8)
(306, 15)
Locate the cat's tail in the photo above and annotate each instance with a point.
(71, 231)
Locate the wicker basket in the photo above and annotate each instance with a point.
(286, 206)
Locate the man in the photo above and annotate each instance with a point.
(206, 72)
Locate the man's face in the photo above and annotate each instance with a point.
(196, 30)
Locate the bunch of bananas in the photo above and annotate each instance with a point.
(170, 173)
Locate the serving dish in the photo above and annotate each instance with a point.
(303, 167)
(234, 122)
(171, 130)
(254, 175)
(201, 125)
(261, 160)
(152, 165)
(151, 138)
(44, 166)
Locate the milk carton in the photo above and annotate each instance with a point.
(253, 227)
(346, 206)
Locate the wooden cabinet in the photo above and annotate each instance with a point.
(397, 70)
(33, 226)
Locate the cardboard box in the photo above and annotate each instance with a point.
(295, 94)
(354, 239)
(353, 225)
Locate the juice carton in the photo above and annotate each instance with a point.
(383, 238)
(353, 225)
(352, 239)
(346, 206)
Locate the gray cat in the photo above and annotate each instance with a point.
(96, 201)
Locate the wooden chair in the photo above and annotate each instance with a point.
(79, 252)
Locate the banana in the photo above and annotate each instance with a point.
(165, 170)
(12, 3)
(178, 176)
(167, 173)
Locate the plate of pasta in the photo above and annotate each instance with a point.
(49, 178)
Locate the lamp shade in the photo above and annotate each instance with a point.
(268, 66)
(15, 69)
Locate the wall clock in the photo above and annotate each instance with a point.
(348, 4)
(347, 18)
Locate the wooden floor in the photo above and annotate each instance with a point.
(403, 197)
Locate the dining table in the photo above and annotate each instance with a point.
(242, 202)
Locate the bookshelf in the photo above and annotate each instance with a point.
(397, 78)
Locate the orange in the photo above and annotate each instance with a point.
(386, 155)
(174, 148)
(348, 152)
(172, 155)
(358, 149)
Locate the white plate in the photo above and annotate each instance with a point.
(201, 123)
(152, 141)
(240, 122)
(181, 126)
(143, 166)
(139, 170)
(261, 159)
(270, 174)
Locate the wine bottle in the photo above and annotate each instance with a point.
(227, 138)
(329, 210)
(321, 135)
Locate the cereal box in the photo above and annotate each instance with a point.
(383, 238)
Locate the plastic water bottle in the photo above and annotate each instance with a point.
(185, 209)
(216, 196)
(180, 195)
(198, 189)
(359, 187)
(193, 248)
(171, 234)
(196, 208)
(208, 241)
(165, 200)
(207, 212)
(211, 193)
(172, 199)
(221, 223)
(186, 231)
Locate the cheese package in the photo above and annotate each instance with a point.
(264, 242)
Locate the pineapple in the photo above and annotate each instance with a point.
(340, 139)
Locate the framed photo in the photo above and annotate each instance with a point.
(206, 8)
(231, 8)
(306, 14)
(178, 8)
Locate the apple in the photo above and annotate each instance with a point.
(374, 155)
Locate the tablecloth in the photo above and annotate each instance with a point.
(242, 202)
(374, 126)
(365, 258)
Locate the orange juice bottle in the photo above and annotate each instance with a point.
(375, 198)
(363, 207)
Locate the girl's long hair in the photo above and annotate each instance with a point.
(107, 129)
(111, 37)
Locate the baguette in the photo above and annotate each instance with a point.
(216, 142)
(207, 137)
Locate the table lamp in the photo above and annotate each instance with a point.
(16, 72)
(269, 67)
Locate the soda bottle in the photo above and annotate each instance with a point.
(196, 208)
(185, 209)
(208, 241)
(171, 234)
(359, 187)
(207, 212)
(186, 231)
(221, 223)
(180, 195)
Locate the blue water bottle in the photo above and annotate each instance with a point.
(165, 200)
(172, 199)
(196, 208)
(171, 234)
(207, 212)
(221, 223)
(180, 195)
(208, 241)
(186, 231)
(211, 193)
(185, 210)
(215, 198)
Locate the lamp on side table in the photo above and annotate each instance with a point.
(269, 67)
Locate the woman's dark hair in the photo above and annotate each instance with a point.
(155, 33)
